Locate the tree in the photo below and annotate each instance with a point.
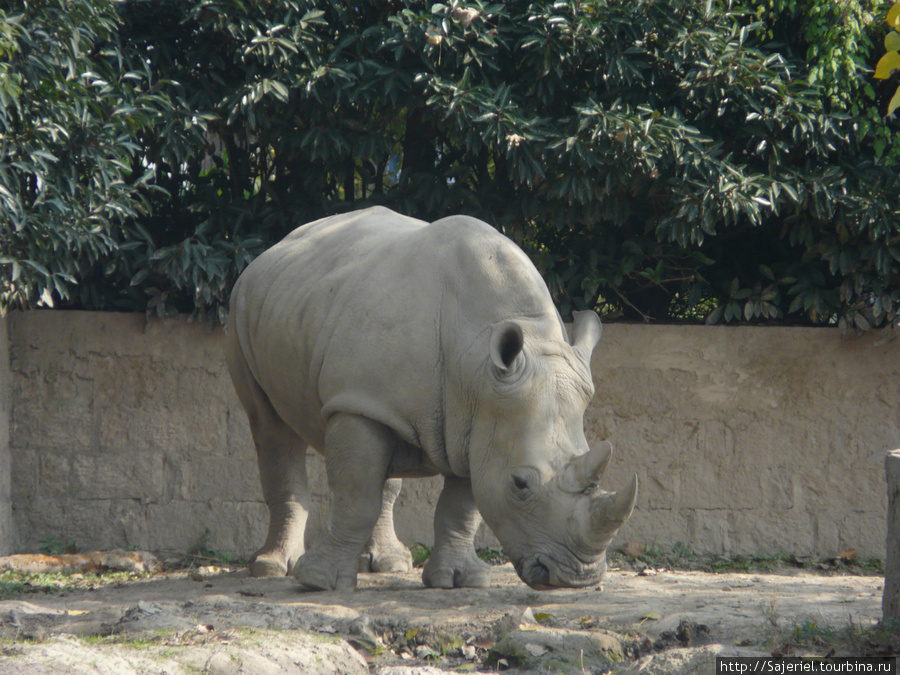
(69, 169)
(659, 159)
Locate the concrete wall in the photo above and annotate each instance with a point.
(745, 440)
(751, 439)
(7, 543)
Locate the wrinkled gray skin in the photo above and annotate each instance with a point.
(400, 349)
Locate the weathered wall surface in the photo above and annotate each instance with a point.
(126, 433)
(745, 440)
(7, 542)
(751, 439)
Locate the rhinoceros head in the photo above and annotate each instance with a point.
(534, 479)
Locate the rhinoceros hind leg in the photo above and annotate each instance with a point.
(384, 552)
(454, 563)
(357, 453)
(281, 456)
(284, 542)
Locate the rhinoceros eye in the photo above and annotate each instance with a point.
(525, 480)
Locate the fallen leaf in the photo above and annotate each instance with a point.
(633, 549)
(77, 612)
(847, 556)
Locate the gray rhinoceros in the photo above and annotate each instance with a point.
(399, 348)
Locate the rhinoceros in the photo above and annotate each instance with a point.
(399, 348)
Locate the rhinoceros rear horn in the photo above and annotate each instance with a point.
(586, 470)
(586, 331)
(609, 510)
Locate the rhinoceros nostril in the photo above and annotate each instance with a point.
(537, 576)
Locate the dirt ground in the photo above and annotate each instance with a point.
(213, 620)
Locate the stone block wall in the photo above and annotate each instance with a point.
(7, 542)
(749, 439)
(125, 432)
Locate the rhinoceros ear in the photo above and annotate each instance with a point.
(586, 330)
(506, 344)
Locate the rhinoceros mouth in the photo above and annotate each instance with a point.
(542, 573)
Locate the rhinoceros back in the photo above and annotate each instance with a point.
(381, 315)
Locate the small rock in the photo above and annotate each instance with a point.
(528, 617)
(147, 618)
(205, 572)
(685, 661)
(424, 651)
(692, 634)
(536, 649)
(580, 647)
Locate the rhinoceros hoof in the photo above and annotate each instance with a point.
(324, 578)
(268, 565)
(470, 573)
(378, 560)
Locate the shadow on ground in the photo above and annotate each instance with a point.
(223, 621)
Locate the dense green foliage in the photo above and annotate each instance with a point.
(68, 120)
(659, 159)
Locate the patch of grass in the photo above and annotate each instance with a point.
(811, 637)
(747, 563)
(202, 549)
(57, 546)
(14, 584)
(871, 567)
(817, 639)
(492, 556)
(420, 554)
(125, 641)
(680, 557)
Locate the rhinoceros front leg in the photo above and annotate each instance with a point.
(454, 562)
(357, 454)
(384, 552)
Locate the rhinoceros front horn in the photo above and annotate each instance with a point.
(609, 510)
